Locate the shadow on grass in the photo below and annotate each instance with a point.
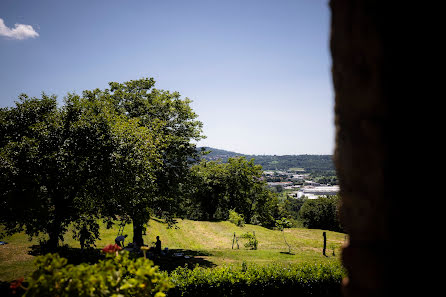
(158, 220)
(287, 253)
(180, 257)
(168, 262)
(73, 255)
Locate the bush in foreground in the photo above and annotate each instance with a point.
(117, 275)
(255, 280)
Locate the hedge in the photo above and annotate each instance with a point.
(117, 275)
(255, 280)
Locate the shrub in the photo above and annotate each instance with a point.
(117, 275)
(281, 225)
(252, 242)
(236, 218)
(254, 280)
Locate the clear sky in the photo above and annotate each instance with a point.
(257, 71)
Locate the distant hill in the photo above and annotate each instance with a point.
(307, 163)
(217, 154)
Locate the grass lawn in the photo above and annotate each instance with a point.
(206, 243)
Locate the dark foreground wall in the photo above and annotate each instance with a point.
(380, 102)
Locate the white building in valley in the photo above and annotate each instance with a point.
(314, 192)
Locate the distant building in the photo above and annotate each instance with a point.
(283, 184)
(299, 176)
(311, 183)
(314, 192)
(291, 187)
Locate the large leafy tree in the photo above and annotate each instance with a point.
(122, 151)
(176, 125)
(54, 164)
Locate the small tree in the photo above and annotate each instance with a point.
(281, 225)
(252, 242)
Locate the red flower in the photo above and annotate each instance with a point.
(111, 248)
(16, 284)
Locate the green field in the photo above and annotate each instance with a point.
(297, 169)
(206, 243)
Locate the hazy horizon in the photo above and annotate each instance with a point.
(250, 154)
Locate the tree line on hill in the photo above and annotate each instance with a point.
(317, 164)
(122, 153)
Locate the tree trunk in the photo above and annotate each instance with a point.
(137, 233)
(289, 247)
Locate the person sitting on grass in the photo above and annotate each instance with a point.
(158, 245)
(120, 240)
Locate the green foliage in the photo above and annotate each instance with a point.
(283, 223)
(236, 218)
(207, 190)
(159, 188)
(123, 151)
(117, 275)
(237, 185)
(246, 191)
(55, 164)
(253, 280)
(252, 242)
(289, 208)
(325, 179)
(86, 231)
(321, 213)
(315, 164)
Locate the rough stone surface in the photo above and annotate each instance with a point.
(363, 61)
(382, 53)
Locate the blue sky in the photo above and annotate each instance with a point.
(257, 71)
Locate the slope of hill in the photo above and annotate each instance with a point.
(205, 235)
(193, 242)
(218, 154)
(310, 163)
